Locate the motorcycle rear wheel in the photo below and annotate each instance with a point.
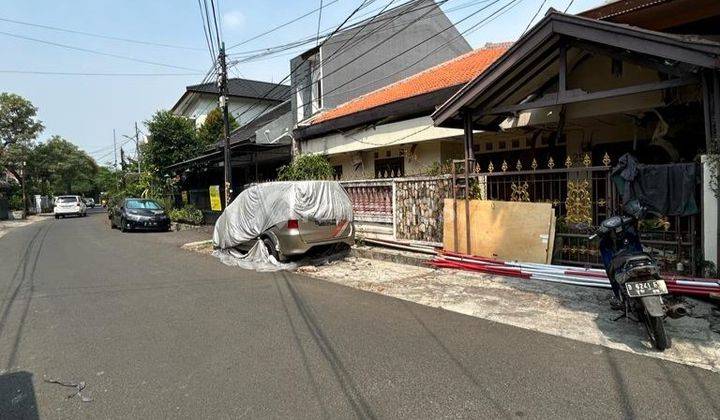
(655, 326)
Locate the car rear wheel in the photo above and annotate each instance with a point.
(270, 246)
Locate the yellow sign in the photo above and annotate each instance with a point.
(215, 204)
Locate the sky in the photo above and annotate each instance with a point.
(85, 109)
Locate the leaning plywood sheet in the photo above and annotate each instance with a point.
(504, 229)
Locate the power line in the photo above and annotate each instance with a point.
(206, 33)
(537, 12)
(469, 30)
(71, 47)
(358, 56)
(568, 6)
(282, 25)
(217, 29)
(96, 35)
(360, 7)
(261, 52)
(319, 20)
(475, 26)
(66, 73)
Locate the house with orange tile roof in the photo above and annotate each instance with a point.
(388, 132)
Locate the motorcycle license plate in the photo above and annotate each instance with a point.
(646, 288)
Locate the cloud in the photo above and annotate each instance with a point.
(234, 20)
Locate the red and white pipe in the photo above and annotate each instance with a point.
(562, 274)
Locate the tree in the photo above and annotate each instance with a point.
(18, 130)
(213, 128)
(17, 121)
(171, 139)
(306, 167)
(59, 167)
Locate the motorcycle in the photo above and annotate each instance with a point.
(635, 275)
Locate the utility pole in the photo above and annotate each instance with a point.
(222, 84)
(114, 150)
(137, 146)
(22, 182)
(117, 180)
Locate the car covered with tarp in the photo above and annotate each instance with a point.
(283, 219)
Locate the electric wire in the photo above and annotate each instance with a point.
(568, 6)
(357, 57)
(292, 71)
(475, 26)
(217, 29)
(537, 12)
(319, 20)
(282, 25)
(90, 51)
(96, 35)
(206, 33)
(68, 73)
(463, 33)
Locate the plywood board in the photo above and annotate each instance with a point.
(503, 229)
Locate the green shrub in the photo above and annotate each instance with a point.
(16, 202)
(306, 167)
(188, 214)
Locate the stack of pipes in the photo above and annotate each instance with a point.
(564, 274)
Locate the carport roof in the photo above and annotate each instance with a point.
(541, 43)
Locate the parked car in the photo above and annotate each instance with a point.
(297, 237)
(291, 218)
(90, 202)
(139, 214)
(69, 205)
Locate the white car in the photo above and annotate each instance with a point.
(69, 205)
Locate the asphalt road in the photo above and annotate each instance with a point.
(157, 332)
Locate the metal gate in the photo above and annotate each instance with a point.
(582, 196)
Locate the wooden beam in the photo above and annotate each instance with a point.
(525, 77)
(678, 69)
(468, 134)
(577, 96)
(562, 70)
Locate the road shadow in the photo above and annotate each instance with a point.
(17, 396)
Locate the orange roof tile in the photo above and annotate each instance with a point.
(454, 72)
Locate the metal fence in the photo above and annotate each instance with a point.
(583, 196)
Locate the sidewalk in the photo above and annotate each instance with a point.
(7, 225)
(574, 312)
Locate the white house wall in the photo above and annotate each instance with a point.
(244, 110)
(415, 130)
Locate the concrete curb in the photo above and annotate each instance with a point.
(177, 226)
(391, 255)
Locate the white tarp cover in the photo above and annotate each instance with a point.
(258, 258)
(262, 206)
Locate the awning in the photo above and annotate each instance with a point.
(503, 88)
(237, 149)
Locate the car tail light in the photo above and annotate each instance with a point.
(293, 224)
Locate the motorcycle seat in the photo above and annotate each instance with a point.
(635, 261)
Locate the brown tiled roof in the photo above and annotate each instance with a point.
(451, 73)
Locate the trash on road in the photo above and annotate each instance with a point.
(79, 387)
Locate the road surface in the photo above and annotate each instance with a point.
(155, 331)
